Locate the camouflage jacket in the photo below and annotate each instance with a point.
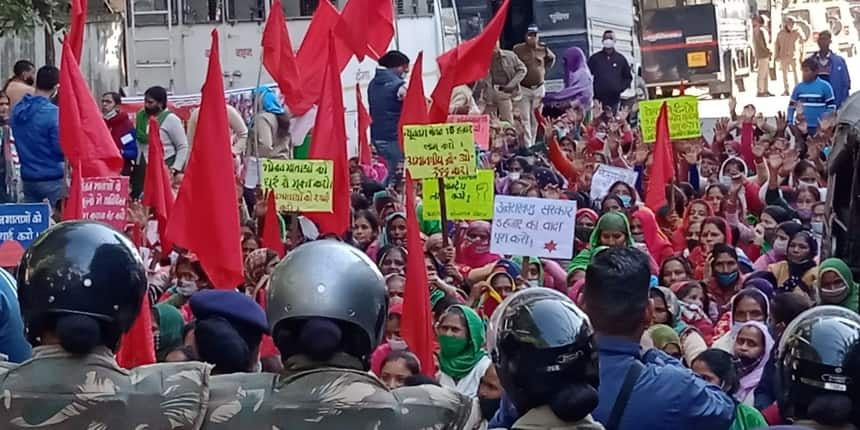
(331, 398)
(57, 390)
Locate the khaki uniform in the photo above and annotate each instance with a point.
(506, 73)
(57, 390)
(542, 418)
(537, 60)
(785, 52)
(762, 55)
(307, 396)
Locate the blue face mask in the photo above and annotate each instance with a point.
(625, 200)
(726, 279)
(826, 151)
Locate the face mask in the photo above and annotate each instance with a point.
(625, 200)
(804, 184)
(152, 111)
(608, 43)
(780, 245)
(817, 227)
(451, 346)
(826, 151)
(489, 407)
(769, 235)
(515, 176)
(186, 288)
(692, 243)
(583, 234)
(600, 135)
(110, 114)
(639, 238)
(725, 180)
(532, 284)
(834, 294)
(726, 279)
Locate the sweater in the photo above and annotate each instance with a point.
(817, 98)
(35, 125)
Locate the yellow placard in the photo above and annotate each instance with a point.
(300, 185)
(683, 117)
(697, 59)
(439, 150)
(466, 197)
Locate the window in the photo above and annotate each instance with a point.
(151, 12)
(245, 10)
(202, 11)
(300, 8)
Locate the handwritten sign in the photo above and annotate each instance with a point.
(683, 117)
(533, 227)
(300, 185)
(466, 198)
(439, 150)
(105, 199)
(604, 176)
(23, 222)
(480, 127)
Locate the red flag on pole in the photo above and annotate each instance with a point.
(662, 169)
(329, 143)
(271, 227)
(74, 207)
(465, 63)
(205, 217)
(84, 136)
(367, 26)
(280, 61)
(137, 347)
(310, 59)
(157, 189)
(364, 151)
(76, 30)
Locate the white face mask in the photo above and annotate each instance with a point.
(608, 43)
(804, 184)
(780, 245)
(817, 227)
(726, 180)
(111, 114)
(515, 176)
(186, 288)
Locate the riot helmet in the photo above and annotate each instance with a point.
(85, 269)
(819, 364)
(320, 285)
(544, 352)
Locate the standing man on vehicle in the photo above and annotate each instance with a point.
(762, 55)
(832, 68)
(785, 50)
(611, 73)
(507, 71)
(385, 96)
(537, 58)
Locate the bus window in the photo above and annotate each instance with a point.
(151, 6)
(202, 11)
(303, 8)
(245, 10)
(834, 20)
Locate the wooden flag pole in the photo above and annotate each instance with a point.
(443, 211)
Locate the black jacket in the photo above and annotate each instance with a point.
(611, 74)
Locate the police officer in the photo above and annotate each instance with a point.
(819, 369)
(326, 307)
(543, 349)
(80, 285)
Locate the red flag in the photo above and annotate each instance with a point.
(280, 61)
(414, 110)
(364, 152)
(271, 227)
(416, 327)
(137, 347)
(74, 207)
(311, 64)
(157, 189)
(76, 30)
(205, 217)
(367, 26)
(84, 136)
(465, 63)
(329, 143)
(662, 169)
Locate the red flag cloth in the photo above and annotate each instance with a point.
(414, 110)
(466, 63)
(328, 142)
(746, 149)
(76, 30)
(157, 189)
(416, 327)
(364, 151)
(74, 207)
(662, 169)
(271, 227)
(84, 136)
(280, 61)
(311, 64)
(137, 347)
(205, 217)
(367, 27)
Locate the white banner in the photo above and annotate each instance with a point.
(533, 227)
(605, 176)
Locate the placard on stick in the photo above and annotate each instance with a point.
(23, 222)
(606, 175)
(684, 120)
(466, 197)
(105, 199)
(300, 185)
(533, 227)
(480, 127)
(439, 150)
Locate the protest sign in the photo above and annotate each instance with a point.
(466, 197)
(105, 199)
(533, 227)
(23, 222)
(300, 185)
(606, 175)
(439, 150)
(683, 117)
(480, 127)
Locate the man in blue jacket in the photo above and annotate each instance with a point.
(832, 68)
(649, 390)
(385, 96)
(35, 127)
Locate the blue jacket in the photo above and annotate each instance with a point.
(35, 126)
(838, 77)
(666, 396)
(12, 341)
(817, 99)
(384, 104)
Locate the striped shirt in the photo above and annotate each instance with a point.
(816, 97)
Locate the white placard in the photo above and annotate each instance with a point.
(533, 227)
(604, 176)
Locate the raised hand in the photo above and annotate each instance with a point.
(781, 123)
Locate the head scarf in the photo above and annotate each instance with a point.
(491, 299)
(578, 82)
(525, 270)
(656, 241)
(796, 270)
(590, 213)
(679, 239)
(170, 324)
(744, 293)
(255, 265)
(460, 364)
(475, 254)
(662, 335)
(751, 375)
(763, 280)
(269, 101)
(839, 267)
(611, 221)
(383, 238)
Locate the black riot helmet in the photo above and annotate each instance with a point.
(327, 297)
(819, 366)
(544, 352)
(86, 271)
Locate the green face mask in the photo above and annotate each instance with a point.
(452, 346)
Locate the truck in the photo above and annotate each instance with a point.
(834, 16)
(696, 43)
